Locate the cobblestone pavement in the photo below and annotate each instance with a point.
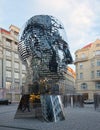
(76, 119)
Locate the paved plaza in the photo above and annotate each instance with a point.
(76, 119)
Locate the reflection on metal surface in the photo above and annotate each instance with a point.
(44, 50)
(52, 108)
(29, 106)
(47, 107)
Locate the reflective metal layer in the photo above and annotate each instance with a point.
(44, 50)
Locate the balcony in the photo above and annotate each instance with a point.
(96, 56)
(96, 79)
(80, 60)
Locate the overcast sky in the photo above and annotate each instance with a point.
(81, 19)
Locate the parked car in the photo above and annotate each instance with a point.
(4, 102)
(88, 101)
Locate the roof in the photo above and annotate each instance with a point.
(87, 46)
(5, 31)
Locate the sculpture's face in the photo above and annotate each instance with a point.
(43, 38)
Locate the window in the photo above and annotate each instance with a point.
(16, 65)
(16, 85)
(98, 73)
(98, 62)
(83, 55)
(81, 75)
(16, 56)
(81, 65)
(84, 86)
(16, 75)
(92, 74)
(16, 34)
(8, 63)
(23, 77)
(8, 42)
(8, 85)
(98, 45)
(8, 53)
(97, 85)
(97, 52)
(8, 73)
(23, 67)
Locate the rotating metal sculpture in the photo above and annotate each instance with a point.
(44, 51)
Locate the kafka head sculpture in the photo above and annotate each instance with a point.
(44, 49)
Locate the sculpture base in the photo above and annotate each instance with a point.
(43, 107)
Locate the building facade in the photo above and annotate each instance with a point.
(68, 85)
(70, 81)
(12, 71)
(87, 63)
